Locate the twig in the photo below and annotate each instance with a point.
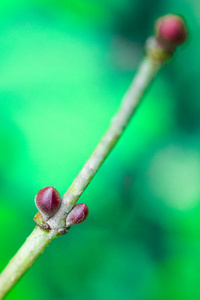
(146, 72)
(34, 245)
(39, 239)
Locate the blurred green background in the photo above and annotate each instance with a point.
(64, 67)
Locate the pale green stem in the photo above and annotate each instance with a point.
(34, 245)
(39, 239)
(130, 101)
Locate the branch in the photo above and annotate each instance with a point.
(146, 72)
(34, 245)
(159, 50)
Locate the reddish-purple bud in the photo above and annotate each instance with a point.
(171, 29)
(77, 215)
(47, 201)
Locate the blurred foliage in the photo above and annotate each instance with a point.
(64, 67)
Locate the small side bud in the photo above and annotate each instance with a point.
(38, 219)
(77, 215)
(171, 29)
(47, 201)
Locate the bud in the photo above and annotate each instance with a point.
(47, 201)
(38, 219)
(171, 29)
(77, 215)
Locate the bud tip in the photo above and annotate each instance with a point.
(171, 29)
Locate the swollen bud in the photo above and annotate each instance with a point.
(170, 32)
(47, 201)
(77, 215)
(171, 29)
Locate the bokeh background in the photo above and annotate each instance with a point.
(64, 67)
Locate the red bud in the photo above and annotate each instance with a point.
(77, 215)
(48, 201)
(171, 29)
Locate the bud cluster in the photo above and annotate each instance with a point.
(48, 202)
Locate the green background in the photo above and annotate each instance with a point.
(64, 67)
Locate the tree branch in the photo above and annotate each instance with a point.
(39, 238)
(157, 53)
(146, 72)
